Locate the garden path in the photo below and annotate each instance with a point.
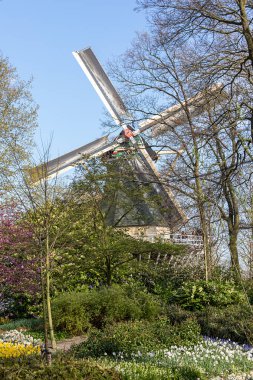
(66, 344)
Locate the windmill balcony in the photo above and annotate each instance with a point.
(189, 239)
(152, 233)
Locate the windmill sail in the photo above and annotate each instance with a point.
(59, 165)
(102, 84)
(176, 114)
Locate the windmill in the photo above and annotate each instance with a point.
(154, 222)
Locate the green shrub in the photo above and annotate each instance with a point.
(143, 336)
(177, 314)
(199, 294)
(234, 322)
(248, 286)
(115, 304)
(127, 337)
(108, 305)
(69, 312)
(21, 305)
(150, 304)
(61, 368)
(76, 312)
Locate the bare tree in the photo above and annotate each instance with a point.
(220, 32)
(157, 70)
(149, 71)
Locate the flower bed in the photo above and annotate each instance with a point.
(15, 350)
(14, 344)
(15, 336)
(204, 360)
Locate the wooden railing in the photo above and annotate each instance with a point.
(177, 238)
(192, 240)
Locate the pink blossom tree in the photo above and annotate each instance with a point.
(19, 266)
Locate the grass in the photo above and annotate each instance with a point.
(30, 324)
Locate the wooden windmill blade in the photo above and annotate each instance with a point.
(67, 161)
(101, 83)
(176, 115)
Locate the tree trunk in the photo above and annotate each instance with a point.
(48, 296)
(45, 319)
(206, 243)
(202, 215)
(233, 236)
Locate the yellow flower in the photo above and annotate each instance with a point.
(15, 350)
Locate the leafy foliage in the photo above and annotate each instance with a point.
(17, 122)
(149, 371)
(199, 294)
(63, 367)
(18, 265)
(177, 314)
(144, 336)
(187, 373)
(77, 311)
(69, 312)
(233, 322)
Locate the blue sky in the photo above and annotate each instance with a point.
(39, 36)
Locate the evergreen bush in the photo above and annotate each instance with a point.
(75, 312)
(69, 312)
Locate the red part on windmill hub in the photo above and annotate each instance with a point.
(128, 133)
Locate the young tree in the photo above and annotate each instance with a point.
(41, 202)
(17, 122)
